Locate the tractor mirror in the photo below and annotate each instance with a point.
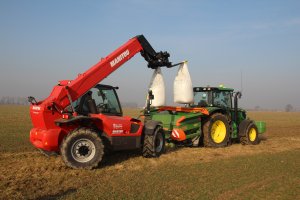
(239, 95)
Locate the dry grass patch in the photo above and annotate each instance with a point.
(268, 170)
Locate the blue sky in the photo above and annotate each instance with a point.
(42, 42)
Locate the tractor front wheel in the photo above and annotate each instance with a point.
(82, 149)
(248, 133)
(154, 145)
(216, 131)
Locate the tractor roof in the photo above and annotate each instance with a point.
(208, 88)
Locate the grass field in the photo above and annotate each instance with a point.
(269, 170)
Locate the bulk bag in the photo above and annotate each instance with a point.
(183, 88)
(157, 85)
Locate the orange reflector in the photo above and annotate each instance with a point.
(178, 134)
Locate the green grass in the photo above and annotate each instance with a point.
(15, 125)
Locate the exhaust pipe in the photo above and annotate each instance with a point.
(237, 95)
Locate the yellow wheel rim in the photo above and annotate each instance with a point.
(252, 134)
(218, 131)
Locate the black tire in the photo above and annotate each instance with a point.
(248, 133)
(82, 149)
(213, 136)
(154, 145)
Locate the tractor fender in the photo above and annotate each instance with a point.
(243, 125)
(150, 126)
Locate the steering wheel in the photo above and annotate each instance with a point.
(102, 107)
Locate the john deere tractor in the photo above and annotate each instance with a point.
(213, 120)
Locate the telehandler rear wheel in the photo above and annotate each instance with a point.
(248, 133)
(154, 145)
(82, 149)
(216, 131)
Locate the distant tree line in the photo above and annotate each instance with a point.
(289, 108)
(14, 100)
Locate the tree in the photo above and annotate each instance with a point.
(288, 108)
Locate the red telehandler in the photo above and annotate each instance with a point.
(81, 118)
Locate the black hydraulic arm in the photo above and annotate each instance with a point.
(154, 59)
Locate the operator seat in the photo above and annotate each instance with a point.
(202, 103)
(87, 104)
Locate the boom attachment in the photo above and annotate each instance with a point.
(154, 59)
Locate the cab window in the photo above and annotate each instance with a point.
(222, 99)
(105, 98)
(201, 99)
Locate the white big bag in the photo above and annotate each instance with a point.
(183, 88)
(157, 85)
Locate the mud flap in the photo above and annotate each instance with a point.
(150, 127)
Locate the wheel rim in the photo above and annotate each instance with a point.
(83, 150)
(252, 134)
(218, 131)
(158, 142)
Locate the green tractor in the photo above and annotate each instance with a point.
(213, 120)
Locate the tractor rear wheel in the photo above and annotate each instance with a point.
(82, 149)
(216, 131)
(154, 145)
(248, 133)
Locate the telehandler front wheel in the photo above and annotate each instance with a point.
(216, 131)
(82, 149)
(248, 133)
(154, 145)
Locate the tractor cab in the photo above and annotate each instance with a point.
(220, 99)
(213, 97)
(100, 99)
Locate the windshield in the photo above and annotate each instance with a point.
(212, 98)
(201, 99)
(222, 99)
(105, 98)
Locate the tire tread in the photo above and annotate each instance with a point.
(79, 132)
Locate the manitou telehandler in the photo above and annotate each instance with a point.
(81, 118)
